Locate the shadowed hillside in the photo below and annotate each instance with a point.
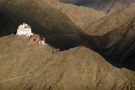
(86, 49)
(108, 6)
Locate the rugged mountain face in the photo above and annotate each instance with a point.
(119, 45)
(115, 34)
(79, 15)
(28, 66)
(25, 65)
(111, 22)
(108, 6)
(53, 25)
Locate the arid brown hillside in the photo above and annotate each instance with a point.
(26, 65)
(111, 22)
(114, 36)
(78, 14)
(107, 6)
(87, 50)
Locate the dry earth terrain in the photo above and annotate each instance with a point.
(96, 49)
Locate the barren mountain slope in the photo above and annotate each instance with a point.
(118, 45)
(111, 22)
(108, 6)
(115, 37)
(44, 20)
(25, 65)
(78, 14)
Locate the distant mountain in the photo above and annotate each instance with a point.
(115, 36)
(105, 5)
(78, 14)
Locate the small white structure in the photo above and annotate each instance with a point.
(42, 42)
(38, 39)
(24, 29)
